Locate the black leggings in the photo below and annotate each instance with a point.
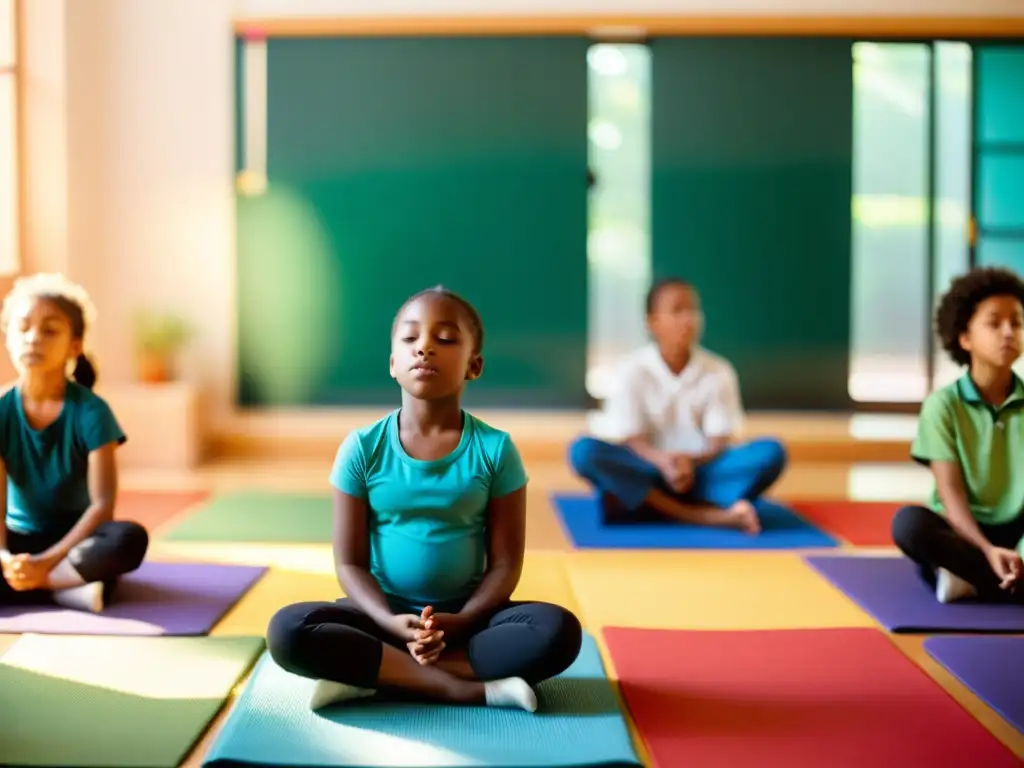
(927, 539)
(114, 549)
(337, 641)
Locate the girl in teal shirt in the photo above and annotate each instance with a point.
(58, 475)
(430, 519)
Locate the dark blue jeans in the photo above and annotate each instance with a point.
(740, 472)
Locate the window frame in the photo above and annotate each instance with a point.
(12, 73)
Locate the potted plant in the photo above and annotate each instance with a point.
(158, 339)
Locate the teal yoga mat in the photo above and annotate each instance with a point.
(578, 723)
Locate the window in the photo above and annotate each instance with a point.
(618, 247)
(912, 151)
(9, 187)
(890, 226)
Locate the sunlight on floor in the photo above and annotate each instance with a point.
(888, 482)
(301, 558)
(174, 668)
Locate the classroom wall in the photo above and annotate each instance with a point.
(286, 8)
(129, 148)
(7, 372)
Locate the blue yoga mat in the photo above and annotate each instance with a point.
(990, 666)
(578, 723)
(782, 529)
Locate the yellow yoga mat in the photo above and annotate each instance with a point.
(704, 590)
(274, 591)
(305, 558)
(544, 578)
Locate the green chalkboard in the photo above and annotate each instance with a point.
(397, 164)
(752, 175)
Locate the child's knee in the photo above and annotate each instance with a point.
(773, 454)
(585, 455)
(283, 635)
(133, 543)
(564, 635)
(908, 525)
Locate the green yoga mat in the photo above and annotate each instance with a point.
(258, 517)
(116, 702)
(578, 723)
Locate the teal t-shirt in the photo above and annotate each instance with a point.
(428, 519)
(48, 469)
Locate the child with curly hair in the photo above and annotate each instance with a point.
(58, 473)
(971, 434)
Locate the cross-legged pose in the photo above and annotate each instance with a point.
(669, 428)
(58, 541)
(967, 542)
(430, 512)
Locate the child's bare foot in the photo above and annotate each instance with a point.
(743, 516)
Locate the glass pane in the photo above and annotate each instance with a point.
(1001, 190)
(952, 179)
(8, 179)
(1001, 252)
(618, 250)
(1000, 73)
(6, 33)
(890, 228)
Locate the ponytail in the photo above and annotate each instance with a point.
(85, 372)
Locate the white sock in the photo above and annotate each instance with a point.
(88, 597)
(327, 692)
(949, 587)
(511, 692)
(64, 573)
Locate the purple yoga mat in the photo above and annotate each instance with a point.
(990, 666)
(158, 599)
(893, 592)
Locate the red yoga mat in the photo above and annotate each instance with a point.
(151, 509)
(860, 523)
(794, 698)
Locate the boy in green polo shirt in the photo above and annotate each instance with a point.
(971, 435)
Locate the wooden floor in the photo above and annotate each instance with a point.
(881, 481)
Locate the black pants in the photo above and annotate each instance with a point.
(927, 539)
(337, 641)
(114, 549)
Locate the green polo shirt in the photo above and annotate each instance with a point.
(956, 424)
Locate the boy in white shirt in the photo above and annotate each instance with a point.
(669, 427)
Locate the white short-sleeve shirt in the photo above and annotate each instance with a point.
(678, 413)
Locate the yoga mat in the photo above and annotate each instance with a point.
(152, 509)
(114, 701)
(990, 666)
(578, 723)
(258, 516)
(706, 590)
(860, 523)
(893, 592)
(544, 579)
(794, 698)
(157, 599)
(581, 518)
